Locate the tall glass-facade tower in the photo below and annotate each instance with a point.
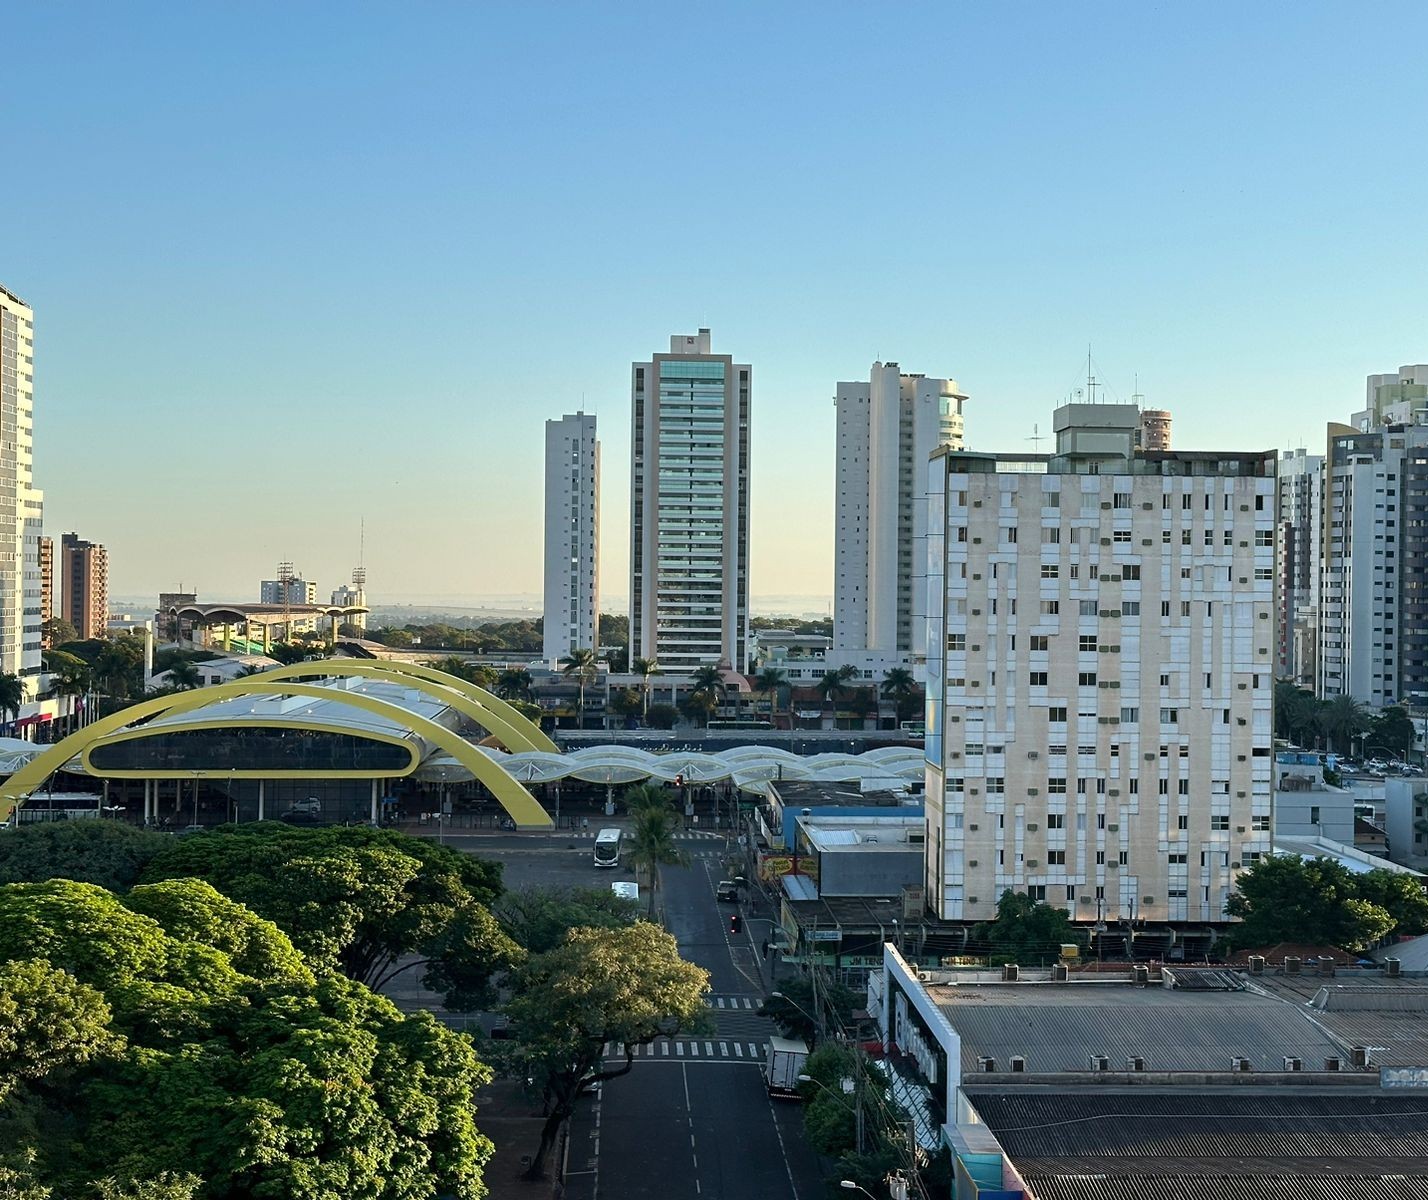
(689, 508)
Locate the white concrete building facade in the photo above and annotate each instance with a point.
(1300, 488)
(887, 428)
(21, 504)
(1100, 675)
(572, 536)
(689, 507)
(299, 591)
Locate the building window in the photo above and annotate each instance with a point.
(1050, 571)
(1056, 858)
(1037, 679)
(1130, 571)
(996, 785)
(1169, 716)
(1056, 715)
(1055, 820)
(1086, 679)
(1056, 786)
(1087, 643)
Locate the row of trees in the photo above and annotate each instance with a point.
(1337, 723)
(201, 1013)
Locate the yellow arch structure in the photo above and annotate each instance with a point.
(518, 803)
(512, 729)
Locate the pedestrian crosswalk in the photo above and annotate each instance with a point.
(683, 835)
(739, 1002)
(677, 1050)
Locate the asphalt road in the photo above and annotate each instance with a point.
(693, 1119)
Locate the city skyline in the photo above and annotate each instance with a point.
(1055, 205)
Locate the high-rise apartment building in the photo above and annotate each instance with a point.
(572, 536)
(85, 573)
(21, 503)
(298, 591)
(45, 555)
(887, 428)
(1299, 507)
(689, 507)
(1373, 622)
(1100, 675)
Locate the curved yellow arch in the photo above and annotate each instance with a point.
(519, 803)
(512, 729)
(487, 699)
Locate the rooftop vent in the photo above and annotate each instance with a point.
(1394, 967)
(1359, 1055)
(1060, 972)
(1135, 1063)
(1292, 964)
(1326, 966)
(1333, 1063)
(1142, 975)
(1018, 1063)
(984, 1063)
(1256, 964)
(1100, 1062)
(1010, 973)
(1239, 1063)
(1293, 1064)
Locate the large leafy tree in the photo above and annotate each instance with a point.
(369, 903)
(624, 986)
(191, 1038)
(1296, 713)
(1313, 901)
(1341, 720)
(1025, 931)
(537, 919)
(1391, 730)
(801, 1007)
(108, 853)
(514, 683)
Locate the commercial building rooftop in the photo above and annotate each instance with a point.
(1248, 1144)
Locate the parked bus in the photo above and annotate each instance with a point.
(607, 847)
(715, 726)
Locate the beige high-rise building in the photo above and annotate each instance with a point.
(46, 556)
(1100, 675)
(21, 504)
(85, 571)
(1154, 429)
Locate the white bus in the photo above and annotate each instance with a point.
(607, 847)
(626, 891)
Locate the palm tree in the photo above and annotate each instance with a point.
(640, 796)
(581, 664)
(72, 679)
(184, 675)
(833, 685)
(707, 689)
(644, 668)
(514, 683)
(652, 845)
(901, 688)
(12, 696)
(1341, 720)
(767, 682)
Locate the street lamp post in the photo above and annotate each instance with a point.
(849, 1186)
(197, 775)
(850, 1088)
(817, 1021)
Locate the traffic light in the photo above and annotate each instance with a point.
(679, 780)
(736, 924)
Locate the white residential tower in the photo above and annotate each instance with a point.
(572, 536)
(21, 504)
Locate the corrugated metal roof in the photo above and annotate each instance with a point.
(1059, 1028)
(1255, 1144)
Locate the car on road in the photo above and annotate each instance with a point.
(726, 892)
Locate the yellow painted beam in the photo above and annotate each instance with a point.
(518, 803)
(514, 731)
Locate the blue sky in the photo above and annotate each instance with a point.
(293, 265)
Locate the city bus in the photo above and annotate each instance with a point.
(607, 847)
(716, 726)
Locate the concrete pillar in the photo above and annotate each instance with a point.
(260, 799)
(376, 802)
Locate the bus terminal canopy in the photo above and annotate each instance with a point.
(332, 718)
(750, 768)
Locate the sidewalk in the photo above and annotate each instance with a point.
(513, 1123)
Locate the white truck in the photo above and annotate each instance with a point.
(784, 1064)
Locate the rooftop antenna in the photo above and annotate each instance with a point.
(1091, 384)
(285, 582)
(1136, 397)
(359, 572)
(1036, 439)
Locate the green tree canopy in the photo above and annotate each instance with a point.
(799, 1005)
(1314, 901)
(651, 845)
(625, 985)
(537, 919)
(1391, 730)
(150, 1054)
(1025, 931)
(108, 853)
(370, 903)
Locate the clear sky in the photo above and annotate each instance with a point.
(296, 264)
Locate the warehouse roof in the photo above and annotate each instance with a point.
(1250, 1144)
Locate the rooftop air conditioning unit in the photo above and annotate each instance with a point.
(1394, 967)
(1333, 1063)
(1100, 1062)
(1359, 1055)
(924, 977)
(1239, 1063)
(985, 1063)
(1293, 1064)
(1010, 973)
(1292, 964)
(1060, 972)
(1018, 1063)
(1326, 966)
(1256, 964)
(1135, 1063)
